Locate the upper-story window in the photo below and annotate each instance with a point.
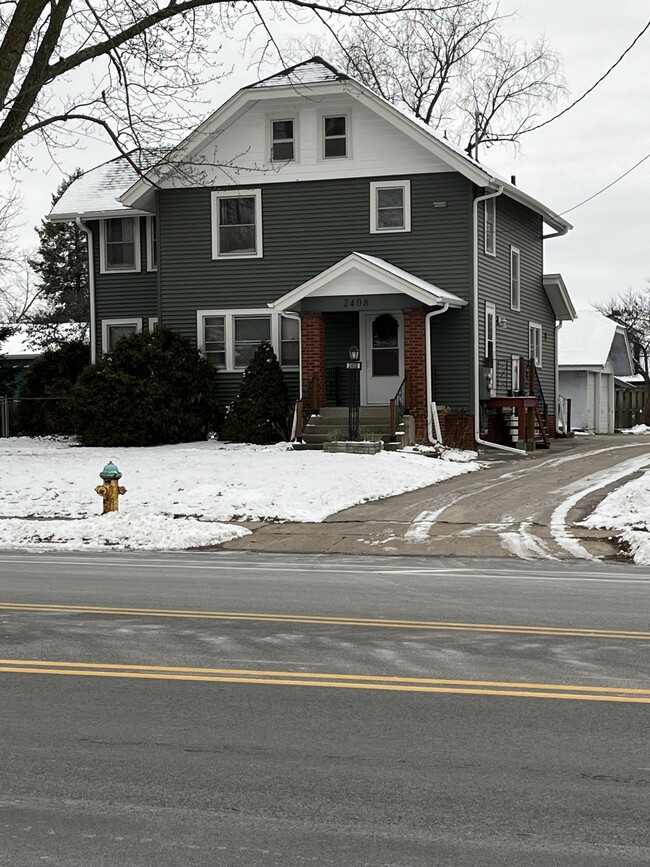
(490, 226)
(119, 245)
(515, 279)
(390, 206)
(237, 224)
(335, 136)
(152, 244)
(283, 140)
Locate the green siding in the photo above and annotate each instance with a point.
(120, 296)
(519, 227)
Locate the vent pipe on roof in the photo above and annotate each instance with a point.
(513, 180)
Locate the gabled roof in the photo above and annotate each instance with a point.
(314, 71)
(587, 341)
(316, 75)
(393, 278)
(558, 295)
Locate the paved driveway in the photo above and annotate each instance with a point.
(521, 507)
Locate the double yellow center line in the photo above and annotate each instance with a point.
(435, 625)
(331, 681)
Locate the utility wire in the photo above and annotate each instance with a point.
(592, 88)
(619, 178)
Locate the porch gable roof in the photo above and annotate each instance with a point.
(396, 279)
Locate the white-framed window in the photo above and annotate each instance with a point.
(535, 343)
(152, 323)
(515, 368)
(229, 338)
(335, 141)
(390, 206)
(114, 329)
(236, 224)
(491, 341)
(283, 140)
(152, 244)
(515, 279)
(119, 245)
(490, 226)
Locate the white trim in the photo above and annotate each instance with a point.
(535, 326)
(152, 323)
(375, 186)
(214, 210)
(490, 309)
(396, 278)
(136, 321)
(490, 240)
(327, 115)
(102, 248)
(515, 278)
(365, 349)
(150, 239)
(279, 118)
(229, 315)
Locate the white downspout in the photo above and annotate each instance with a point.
(91, 289)
(427, 356)
(477, 406)
(558, 325)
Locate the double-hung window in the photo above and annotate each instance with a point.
(515, 279)
(114, 330)
(335, 136)
(490, 226)
(390, 206)
(230, 339)
(283, 141)
(119, 245)
(535, 343)
(237, 224)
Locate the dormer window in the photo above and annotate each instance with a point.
(335, 136)
(283, 141)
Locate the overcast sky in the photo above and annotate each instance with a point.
(569, 160)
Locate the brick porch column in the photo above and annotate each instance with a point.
(415, 366)
(312, 336)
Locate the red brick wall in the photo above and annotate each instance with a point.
(312, 335)
(415, 367)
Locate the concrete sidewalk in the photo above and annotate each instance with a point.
(518, 507)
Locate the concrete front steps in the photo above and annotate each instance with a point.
(332, 424)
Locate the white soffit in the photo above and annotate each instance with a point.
(389, 279)
(559, 297)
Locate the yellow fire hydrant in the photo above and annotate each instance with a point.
(110, 490)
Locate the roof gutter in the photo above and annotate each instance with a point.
(477, 404)
(91, 289)
(557, 234)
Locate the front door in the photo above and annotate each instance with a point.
(383, 356)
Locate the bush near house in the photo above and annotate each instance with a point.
(261, 412)
(153, 389)
(44, 393)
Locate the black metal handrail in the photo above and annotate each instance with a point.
(398, 408)
(306, 407)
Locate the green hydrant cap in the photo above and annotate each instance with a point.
(109, 472)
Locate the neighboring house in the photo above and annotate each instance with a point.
(16, 354)
(309, 212)
(593, 352)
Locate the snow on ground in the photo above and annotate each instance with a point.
(627, 510)
(187, 495)
(637, 429)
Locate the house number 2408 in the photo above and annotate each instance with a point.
(355, 302)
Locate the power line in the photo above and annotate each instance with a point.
(619, 178)
(593, 86)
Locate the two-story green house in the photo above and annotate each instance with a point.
(308, 212)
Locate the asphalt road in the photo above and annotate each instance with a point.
(233, 709)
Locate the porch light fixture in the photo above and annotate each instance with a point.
(353, 352)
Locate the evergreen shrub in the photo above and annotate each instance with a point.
(154, 388)
(52, 375)
(261, 413)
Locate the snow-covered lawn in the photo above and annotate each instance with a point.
(190, 495)
(627, 510)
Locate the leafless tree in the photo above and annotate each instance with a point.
(144, 61)
(454, 69)
(632, 310)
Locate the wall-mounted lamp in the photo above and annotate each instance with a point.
(502, 322)
(353, 352)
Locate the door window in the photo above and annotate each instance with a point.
(385, 346)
